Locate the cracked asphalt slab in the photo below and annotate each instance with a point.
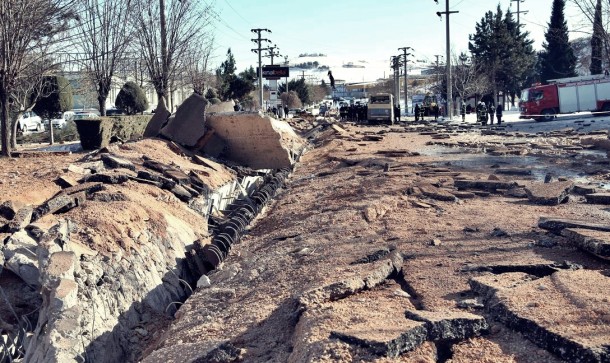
(358, 244)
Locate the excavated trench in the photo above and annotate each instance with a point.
(83, 306)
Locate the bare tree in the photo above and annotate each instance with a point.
(468, 78)
(587, 7)
(165, 34)
(196, 66)
(28, 30)
(105, 34)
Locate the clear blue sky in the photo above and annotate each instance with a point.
(354, 30)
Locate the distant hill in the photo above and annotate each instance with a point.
(312, 55)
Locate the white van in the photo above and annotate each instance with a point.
(29, 121)
(62, 120)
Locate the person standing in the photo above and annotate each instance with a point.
(416, 112)
(436, 110)
(499, 110)
(492, 110)
(463, 111)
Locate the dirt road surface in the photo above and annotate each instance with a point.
(366, 235)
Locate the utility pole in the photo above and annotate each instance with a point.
(259, 50)
(436, 70)
(518, 11)
(448, 61)
(272, 53)
(405, 60)
(395, 65)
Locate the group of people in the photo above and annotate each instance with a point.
(485, 113)
(353, 112)
(420, 111)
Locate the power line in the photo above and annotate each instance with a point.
(238, 14)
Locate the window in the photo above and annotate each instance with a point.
(536, 95)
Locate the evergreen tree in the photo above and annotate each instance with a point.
(131, 99)
(596, 40)
(55, 97)
(558, 59)
(501, 52)
(300, 87)
(226, 74)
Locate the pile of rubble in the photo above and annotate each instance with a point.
(132, 229)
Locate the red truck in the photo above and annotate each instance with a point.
(566, 95)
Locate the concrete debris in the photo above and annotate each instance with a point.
(598, 198)
(20, 254)
(379, 271)
(203, 282)
(22, 218)
(433, 192)
(9, 208)
(488, 185)
(421, 326)
(594, 242)
(189, 123)
(532, 306)
(256, 141)
(114, 162)
(108, 178)
(584, 189)
(552, 193)
(157, 122)
(555, 225)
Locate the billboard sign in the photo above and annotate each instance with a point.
(275, 72)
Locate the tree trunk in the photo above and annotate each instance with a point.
(5, 124)
(101, 101)
(14, 125)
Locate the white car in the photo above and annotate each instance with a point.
(29, 121)
(60, 122)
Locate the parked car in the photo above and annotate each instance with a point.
(86, 114)
(61, 120)
(30, 121)
(113, 112)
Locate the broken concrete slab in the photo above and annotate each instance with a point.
(255, 140)
(114, 162)
(9, 208)
(385, 339)
(51, 206)
(488, 185)
(463, 195)
(22, 218)
(553, 193)
(584, 189)
(598, 198)
(449, 325)
(177, 175)
(189, 123)
(433, 192)
(66, 181)
(226, 106)
(555, 225)
(108, 178)
(549, 311)
(513, 171)
(594, 242)
(378, 272)
(89, 188)
(157, 122)
(166, 183)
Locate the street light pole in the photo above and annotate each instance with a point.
(448, 46)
